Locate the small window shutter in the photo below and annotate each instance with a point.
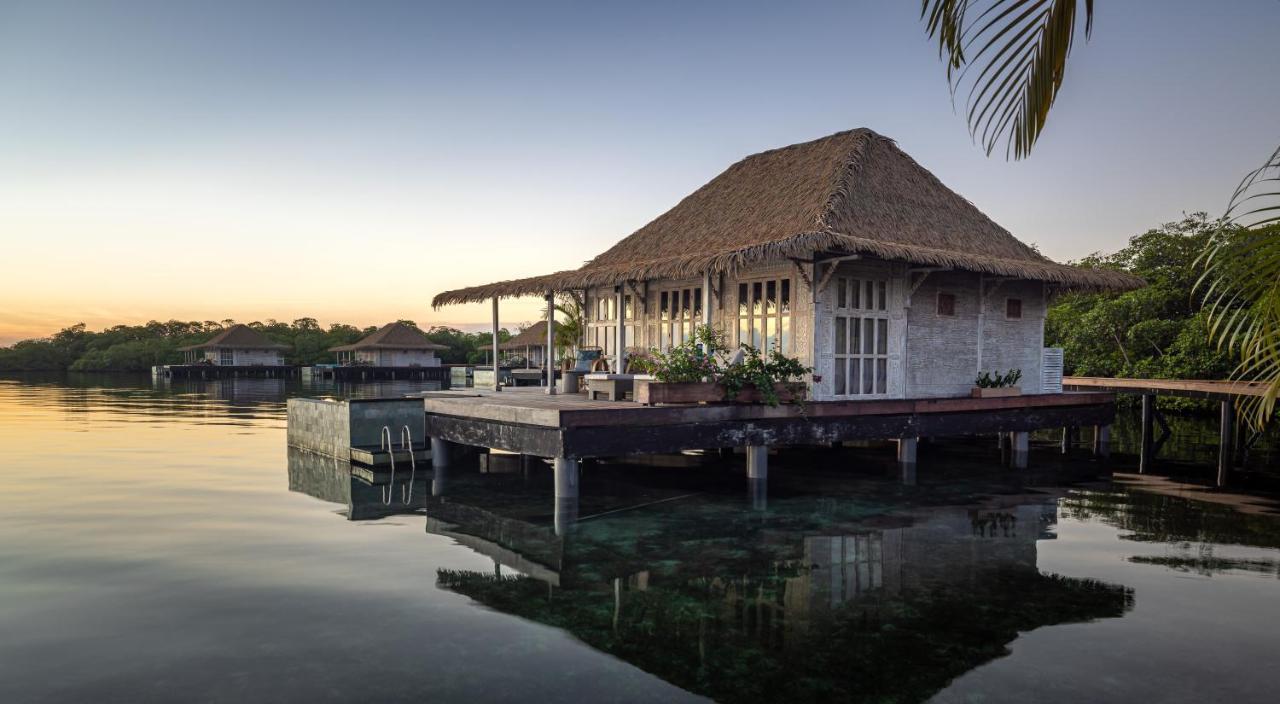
(1051, 370)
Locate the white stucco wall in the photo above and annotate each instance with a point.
(942, 352)
(248, 358)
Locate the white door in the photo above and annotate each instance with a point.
(862, 330)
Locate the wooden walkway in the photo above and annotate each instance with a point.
(1224, 392)
(1211, 390)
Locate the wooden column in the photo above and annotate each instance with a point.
(549, 359)
(1226, 442)
(907, 459)
(1067, 432)
(1147, 439)
(1102, 442)
(497, 383)
(622, 330)
(757, 462)
(1021, 441)
(706, 297)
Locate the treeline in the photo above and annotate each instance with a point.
(139, 347)
(1160, 331)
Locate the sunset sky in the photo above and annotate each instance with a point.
(347, 161)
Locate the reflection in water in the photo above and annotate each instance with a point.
(363, 490)
(814, 602)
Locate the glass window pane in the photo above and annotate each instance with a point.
(742, 300)
(855, 342)
(868, 377)
(855, 293)
(868, 335)
(882, 336)
(841, 335)
(855, 366)
(839, 380)
(629, 312)
(841, 298)
(784, 333)
(697, 303)
(883, 294)
(882, 376)
(663, 310)
(786, 296)
(685, 303)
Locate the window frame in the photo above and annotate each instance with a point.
(937, 306)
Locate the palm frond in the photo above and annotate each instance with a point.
(1008, 57)
(1241, 285)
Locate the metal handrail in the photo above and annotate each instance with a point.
(391, 452)
(406, 443)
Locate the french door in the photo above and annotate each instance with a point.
(861, 337)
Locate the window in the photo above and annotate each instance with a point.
(1013, 309)
(947, 304)
(679, 311)
(861, 337)
(764, 315)
(226, 358)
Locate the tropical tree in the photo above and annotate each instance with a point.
(571, 324)
(1006, 60)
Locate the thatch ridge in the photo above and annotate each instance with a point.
(237, 337)
(397, 336)
(851, 192)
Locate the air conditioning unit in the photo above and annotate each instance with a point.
(1051, 370)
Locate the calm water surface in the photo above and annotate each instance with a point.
(163, 544)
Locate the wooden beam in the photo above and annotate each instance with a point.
(1226, 442)
(1146, 452)
(497, 383)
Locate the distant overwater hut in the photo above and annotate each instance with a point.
(526, 354)
(843, 253)
(394, 351)
(236, 351)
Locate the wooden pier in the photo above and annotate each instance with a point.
(360, 372)
(223, 371)
(1224, 392)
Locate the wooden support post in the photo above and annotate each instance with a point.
(566, 501)
(566, 471)
(440, 453)
(622, 333)
(757, 462)
(706, 298)
(1021, 441)
(549, 359)
(1145, 448)
(497, 383)
(758, 489)
(907, 459)
(1102, 442)
(1067, 433)
(1226, 442)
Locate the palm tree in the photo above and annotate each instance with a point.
(1007, 58)
(570, 327)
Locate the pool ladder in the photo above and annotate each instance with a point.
(406, 443)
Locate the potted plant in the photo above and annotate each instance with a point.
(699, 371)
(995, 384)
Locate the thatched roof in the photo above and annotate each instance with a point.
(392, 336)
(853, 192)
(533, 336)
(240, 337)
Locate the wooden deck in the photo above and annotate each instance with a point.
(1213, 390)
(531, 422)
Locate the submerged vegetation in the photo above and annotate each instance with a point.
(139, 347)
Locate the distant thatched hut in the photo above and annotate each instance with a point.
(843, 252)
(237, 346)
(531, 344)
(393, 345)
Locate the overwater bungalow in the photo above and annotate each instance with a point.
(237, 346)
(393, 345)
(530, 345)
(843, 252)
